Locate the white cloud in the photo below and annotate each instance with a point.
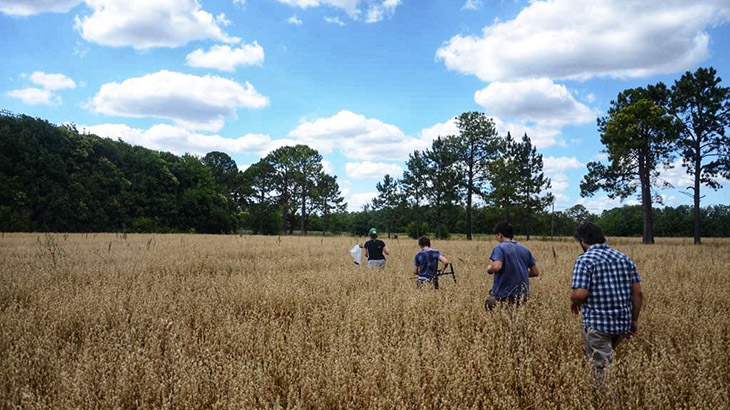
(327, 167)
(225, 58)
(601, 156)
(539, 101)
(574, 39)
(371, 11)
(540, 136)
(596, 205)
(34, 96)
(28, 8)
(334, 20)
(554, 168)
(243, 167)
(372, 170)
(52, 82)
(554, 165)
(357, 137)
(144, 24)
(355, 202)
(441, 129)
(679, 178)
(223, 20)
(191, 101)
(178, 140)
(44, 95)
(472, 5)
(294, 20)
(379, 11)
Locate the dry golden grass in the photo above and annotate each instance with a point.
(184, 321)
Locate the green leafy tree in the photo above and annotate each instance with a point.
(388, 199)
(531, 182)
(327, 199)
(295, 173)
(702, 106)
(443, 182)
(259, 197)
(415, 184)
(639, 135)
(476, 146)
(518, 183)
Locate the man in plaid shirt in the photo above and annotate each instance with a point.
(606, 286)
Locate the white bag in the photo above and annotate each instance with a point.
(356, 253)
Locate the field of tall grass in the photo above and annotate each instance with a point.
(247, 322)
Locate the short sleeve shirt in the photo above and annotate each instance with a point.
(608, 276)
(375, 249)
(427, 261)
(513, 279)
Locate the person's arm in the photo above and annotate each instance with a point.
(577, 297)
(385, 250)
(637, 299)
(445, 261)
(534, 272)
(494, 267)
(365, 251)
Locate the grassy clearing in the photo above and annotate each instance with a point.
(191, 321)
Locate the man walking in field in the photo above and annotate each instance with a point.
(375, 250)
(426, 263)
(512, 265)
(606, 287)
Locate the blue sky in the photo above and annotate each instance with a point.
(365, 82)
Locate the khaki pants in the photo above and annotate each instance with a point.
(599, 349)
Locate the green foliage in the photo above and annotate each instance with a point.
(416, 230)
(639, 135)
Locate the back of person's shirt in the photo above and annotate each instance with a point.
(513, 278)
(427, 262)
(375, 249)
(608, 275)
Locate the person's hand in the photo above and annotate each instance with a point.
(634, 329)
(489, 269)
(575, 308)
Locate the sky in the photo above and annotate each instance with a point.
(365, 82)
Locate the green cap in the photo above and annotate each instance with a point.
(373, 231)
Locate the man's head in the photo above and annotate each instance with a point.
(424, 241)
(588, 233)
(373, 233)
(504, 231)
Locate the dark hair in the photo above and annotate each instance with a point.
(505, 229)
(589, 233)
(424, 241)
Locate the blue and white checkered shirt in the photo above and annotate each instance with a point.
(608, 276)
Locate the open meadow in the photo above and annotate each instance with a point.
(113, 321)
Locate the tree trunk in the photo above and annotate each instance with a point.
(645, 179)
(304, 211)
(469, 192)
(698, 170)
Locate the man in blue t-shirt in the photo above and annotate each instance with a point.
(426, 263)
(512, 266)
